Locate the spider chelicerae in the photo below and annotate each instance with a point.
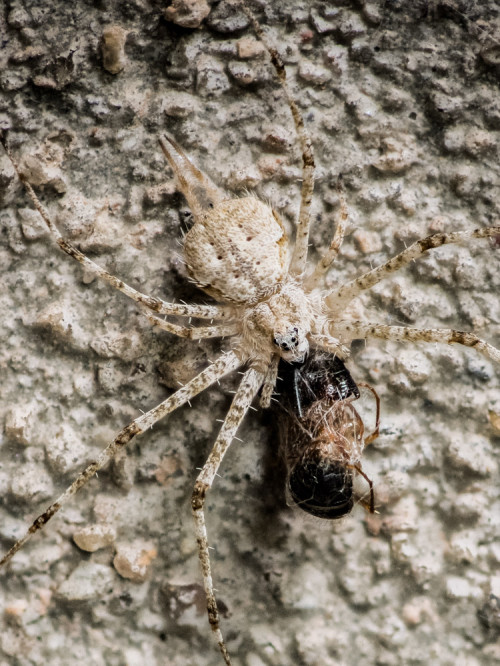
(272, 306)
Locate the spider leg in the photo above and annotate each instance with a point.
(299, 256)
(337, 299)
(194, 333)
(156, 304)
(324, 264)
(448, 336)
(331, 345)
(224, 364)
(269, 382)
(246, 392)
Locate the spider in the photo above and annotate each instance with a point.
(272, 306)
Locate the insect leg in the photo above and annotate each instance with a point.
(246, 392)
(371, 505)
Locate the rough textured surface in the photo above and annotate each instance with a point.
(402, 99)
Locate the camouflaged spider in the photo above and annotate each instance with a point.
(272, 306)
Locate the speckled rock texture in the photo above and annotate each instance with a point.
(400, 97)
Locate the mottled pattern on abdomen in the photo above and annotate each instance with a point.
(221, 247)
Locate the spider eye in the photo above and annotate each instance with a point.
(292, 346)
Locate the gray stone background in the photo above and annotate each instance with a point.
(401, 98)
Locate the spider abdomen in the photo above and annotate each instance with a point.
(237, 250)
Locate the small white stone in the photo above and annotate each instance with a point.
(66, 450)
(20, 422)
(88, 581)
(314, 73)
(457, 587)
(187, 13)
(94, 537)
(415, 365)
(211, 79)
(32, 224)
(471, 452)
(113, 49)
(249, 47)
(33, 485)
(132, 560)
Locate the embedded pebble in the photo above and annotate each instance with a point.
(417, 367)
(59, 320)
(336, 58)
(403, 517)
(94, 537)
(351, 26)
(418, 610)
(494, 418)
(113, 49)
(223, 18)
(33, 485)
(180, 105)
(367, 241)
(38, 171)
(133, 560)
(211, 79)
(446, 106)
(7, 175)
(65, 450)
(315, 74)
(250, 47)
(15, 608)
(106, 230)
(127, 346)
(243, 73)
(267, 640)
(315, 642)
(88, 581)
(321, 24)
(21, 422)
(457, 587)
(187, 13)
(312, 592)
(32, 225)
(77, 215)
(470, 452)
(392, 486)
(476, 142)
(397, 155)
(470, 506)
(463, 547)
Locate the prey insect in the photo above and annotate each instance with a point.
(322, 436)
(271, 305)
